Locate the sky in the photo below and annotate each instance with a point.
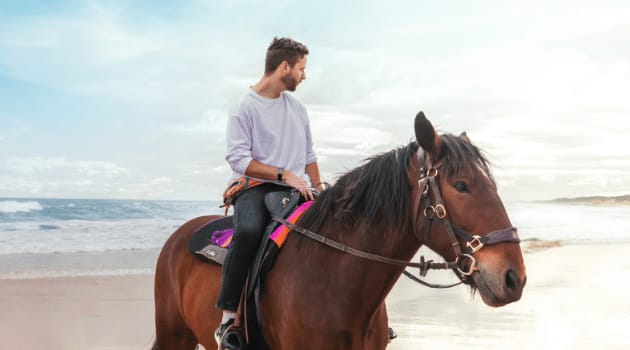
(129, 99)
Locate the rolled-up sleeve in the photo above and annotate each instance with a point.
(311, 157)
(239, 143)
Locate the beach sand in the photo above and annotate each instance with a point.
(104, 312)
(576, 298)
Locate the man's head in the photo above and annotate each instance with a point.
(287, 58)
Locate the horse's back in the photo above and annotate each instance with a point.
(186, 288)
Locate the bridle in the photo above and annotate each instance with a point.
(427, 185)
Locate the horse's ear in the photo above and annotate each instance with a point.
(464, 137)
(426, 136)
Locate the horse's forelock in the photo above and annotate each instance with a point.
(462, 158)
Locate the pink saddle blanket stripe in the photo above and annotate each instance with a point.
(279, 235)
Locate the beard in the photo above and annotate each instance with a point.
(290, 82)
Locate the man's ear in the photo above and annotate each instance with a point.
(285, 66)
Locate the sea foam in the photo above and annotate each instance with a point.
(14, 206)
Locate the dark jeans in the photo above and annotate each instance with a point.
(250, 219)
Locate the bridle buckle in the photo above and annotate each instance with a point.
(471, 269)
(440, 211)
(475, 244)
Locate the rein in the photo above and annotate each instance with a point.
(426, 183)
(423, 265)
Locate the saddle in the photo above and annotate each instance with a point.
(211, 242)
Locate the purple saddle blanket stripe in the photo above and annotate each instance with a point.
(222, 238)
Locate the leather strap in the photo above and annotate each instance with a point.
(427, 183)
(279, 175)
(356, 252)
(440, 202)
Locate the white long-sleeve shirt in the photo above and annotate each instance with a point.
(275, 132)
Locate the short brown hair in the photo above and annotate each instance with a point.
(283, 49)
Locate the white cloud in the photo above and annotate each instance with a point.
(158, 187)
(62, 177)
(35, 166)
(347, 130)
(576, 22)
(103, 51)
(57, 176)
(219, 169)
(544, 95)
(213, 122)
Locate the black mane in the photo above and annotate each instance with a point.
(377, 193)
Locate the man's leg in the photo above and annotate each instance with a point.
(250, 218)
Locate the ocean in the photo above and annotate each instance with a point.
(67, 237)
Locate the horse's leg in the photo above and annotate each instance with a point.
(200, 293)
(176, 342)
(184, 298)
(378, 335)
(171, 329)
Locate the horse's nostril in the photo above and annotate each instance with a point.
(511, 280)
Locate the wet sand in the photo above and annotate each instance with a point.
(576, 298)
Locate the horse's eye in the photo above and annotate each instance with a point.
(461, 187)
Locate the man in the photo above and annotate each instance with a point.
(268, 139)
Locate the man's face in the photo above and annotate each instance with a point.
(295, 75)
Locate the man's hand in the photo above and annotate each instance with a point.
(298, 183)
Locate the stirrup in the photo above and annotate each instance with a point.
(220, 331)
(230, 338)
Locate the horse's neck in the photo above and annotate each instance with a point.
(365, 281)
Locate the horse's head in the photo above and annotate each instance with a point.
(464, 218)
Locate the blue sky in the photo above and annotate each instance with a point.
(128, 99)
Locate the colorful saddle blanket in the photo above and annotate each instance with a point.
(213, 239)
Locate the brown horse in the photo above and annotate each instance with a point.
(317, 297)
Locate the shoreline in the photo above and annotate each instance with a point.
(564, 286)
(108, 263)
(127, 262)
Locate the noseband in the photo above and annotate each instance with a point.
(427, 186)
